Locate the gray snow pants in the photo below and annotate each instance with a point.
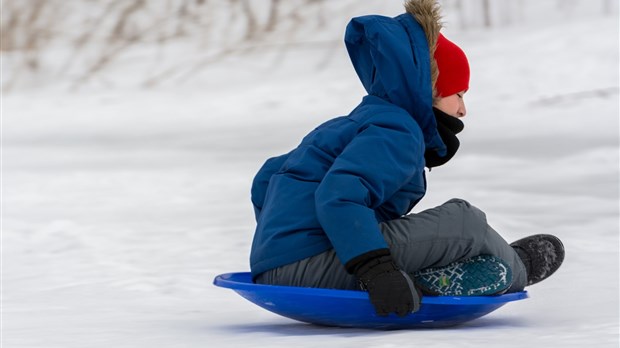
(435, 237)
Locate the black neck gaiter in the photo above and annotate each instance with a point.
(448, 127)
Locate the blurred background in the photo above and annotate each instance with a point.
(80, 43)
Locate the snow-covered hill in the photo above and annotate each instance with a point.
(120, 205)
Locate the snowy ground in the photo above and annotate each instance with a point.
(121, 205)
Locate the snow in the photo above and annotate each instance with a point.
(120, 205)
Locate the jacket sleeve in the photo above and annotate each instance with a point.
(261, 181)
(371, 168)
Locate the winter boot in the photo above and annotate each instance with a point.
(542, 255)
(478, 276)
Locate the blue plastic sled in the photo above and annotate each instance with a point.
(348, 308)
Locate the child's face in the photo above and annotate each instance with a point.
(453, 105)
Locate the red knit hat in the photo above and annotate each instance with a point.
(453, 68)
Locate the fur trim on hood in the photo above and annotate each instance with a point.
(427, 14)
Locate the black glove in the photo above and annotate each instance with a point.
(389, 288)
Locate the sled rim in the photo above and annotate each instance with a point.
(242, 281)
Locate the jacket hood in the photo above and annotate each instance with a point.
(393, 59)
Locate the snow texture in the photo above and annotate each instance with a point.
(121, 205)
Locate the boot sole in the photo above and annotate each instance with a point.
(482, 275)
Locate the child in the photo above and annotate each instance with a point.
(332, 212)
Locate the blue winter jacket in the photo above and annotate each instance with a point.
(355, 171)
